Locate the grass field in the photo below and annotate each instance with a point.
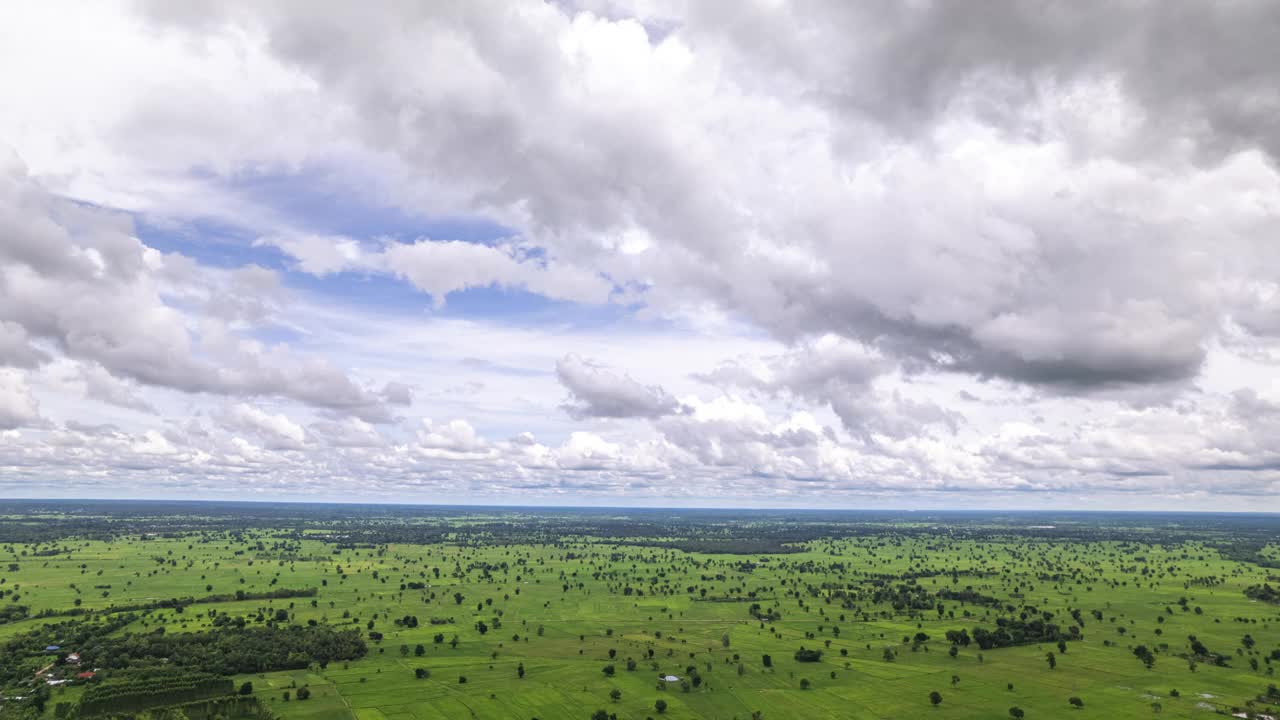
(566, 610)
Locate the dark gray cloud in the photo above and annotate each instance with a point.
(1204, 72)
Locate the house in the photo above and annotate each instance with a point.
(86, 675)
(52, 648)
(74, 658)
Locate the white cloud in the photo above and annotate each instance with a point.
(277, 428)
(18, 407)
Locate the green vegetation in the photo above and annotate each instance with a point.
(368, 613)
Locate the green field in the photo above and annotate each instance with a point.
(566, 608)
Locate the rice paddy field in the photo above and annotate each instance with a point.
(1132, 618)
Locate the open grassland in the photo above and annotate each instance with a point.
(550, 629)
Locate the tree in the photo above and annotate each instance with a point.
(660, 706)
(458, 598)
(954, 651)
(600, 715)
(724, 640)
(1016, 713)
(520, 671)
(1051, 659)
(1075, 702)
(804, 683)
(246, 688)
(767, 660)
(304, 693)
(615, 694)
(608, 670)
(935, 698)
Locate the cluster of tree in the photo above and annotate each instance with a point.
(808, 655)
(759, 613)
(968, 595)
(13, 613)
(1014, 631)
(1263, 593)
(904, 596)
(1200, 653)
(25, 653)
(228, 651)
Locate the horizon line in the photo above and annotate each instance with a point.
(507, 506)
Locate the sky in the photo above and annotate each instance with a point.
(822, 253)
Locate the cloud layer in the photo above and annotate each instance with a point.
(643, 251)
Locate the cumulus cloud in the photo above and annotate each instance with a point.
(596, 391)
(275, 428)
(101, 385)
(351, 433)
(1027, 263)
(317, 254)
(442, 267)
(77, 277)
